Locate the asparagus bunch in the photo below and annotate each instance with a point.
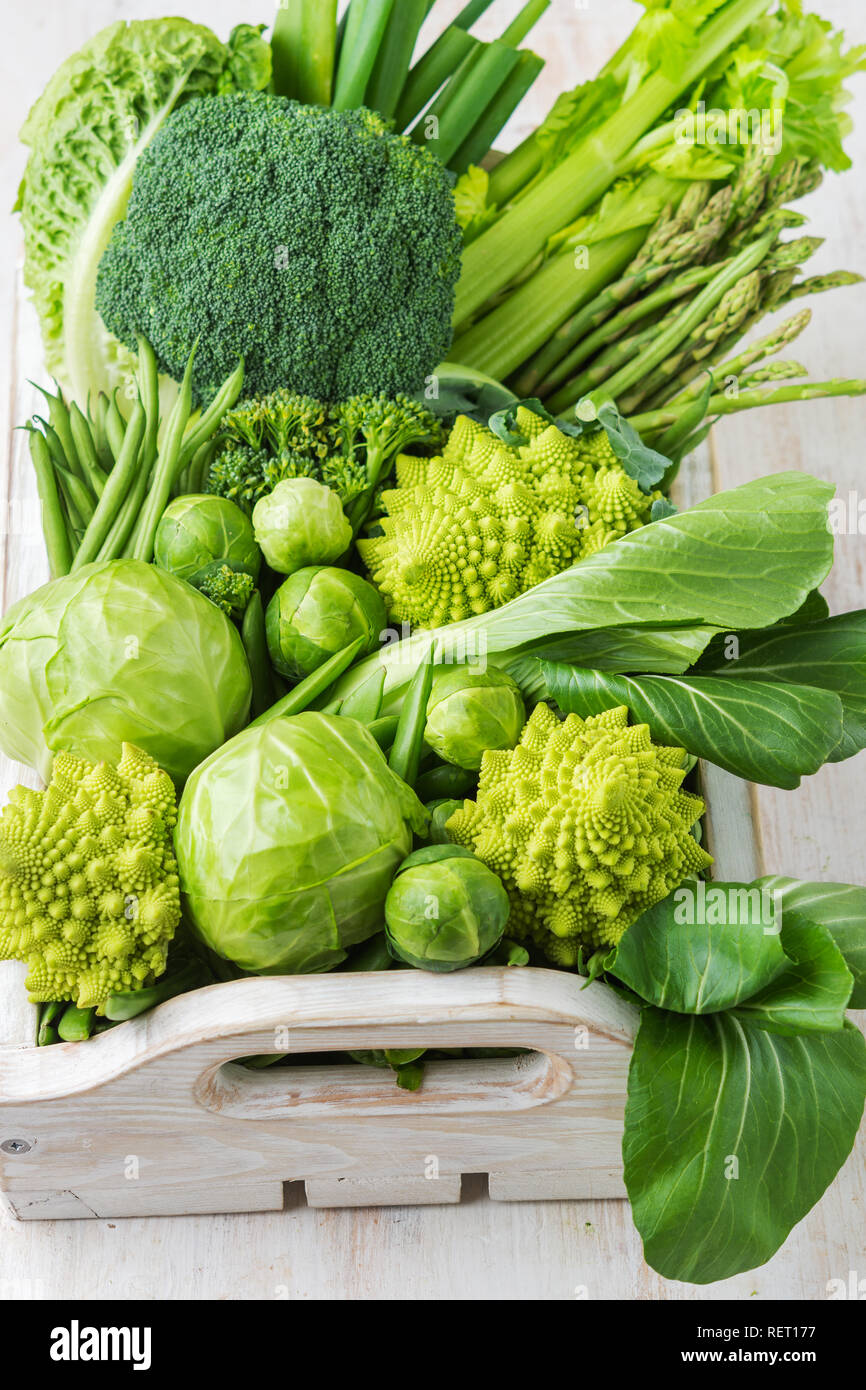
(104, 478)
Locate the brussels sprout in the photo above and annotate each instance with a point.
(120, 652)
(318, 612)
(440, 812)
(445, 909)
(287, 842)
(301, 523)
(471, 711)
(198, 535)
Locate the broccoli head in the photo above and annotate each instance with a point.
(89, 891)
(314, 243)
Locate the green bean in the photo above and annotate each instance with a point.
(115, 426)
(373, 955)
(166, 469)
(365, 703)
(204, 427)
(148, 387)
(311, 687)
(97, 428)
(54, 529)
(121, 1007)
(255, 643)
(46, 1031)
(200, 467)
(86, 449)
(59, 417)
(79, 498)
(405, 757)
(384, 731)
(75, 1024)
(116, 490)
(446, 783)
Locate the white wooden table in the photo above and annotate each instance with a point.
(477, 1250)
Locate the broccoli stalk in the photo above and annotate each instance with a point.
(386, 427)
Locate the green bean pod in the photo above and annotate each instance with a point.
(405, 758)
(311, 687)
(166, 469)
(54, 529)
(254, 637)
(116, 490)
(75, 1024)
(86, 450)
(204, 427)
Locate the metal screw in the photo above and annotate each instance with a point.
(15, 1146)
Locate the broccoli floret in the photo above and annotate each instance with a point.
(350, 447)
(314, 243)
(228, 589)
(89, 892)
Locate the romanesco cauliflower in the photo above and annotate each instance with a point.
(467, 531)
(89, 893)
(585, 823)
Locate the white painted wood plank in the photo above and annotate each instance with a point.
(478, 1249)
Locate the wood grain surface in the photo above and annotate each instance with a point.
(478, 1249)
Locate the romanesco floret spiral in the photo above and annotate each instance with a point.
(482, 523)
(89, 890)
(586, 825)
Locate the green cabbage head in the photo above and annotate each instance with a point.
(287, 841)
(120, 652)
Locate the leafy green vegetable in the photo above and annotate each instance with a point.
(97, 115)
(840, 907)
(696, 568)
(762, 731)
(699, 966)
(286, 195)
(812, 993)
(829, 653)
(732, 1135)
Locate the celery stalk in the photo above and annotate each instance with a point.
(501, 342)
(470, 13)
(500, 253)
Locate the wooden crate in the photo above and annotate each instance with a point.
(155, 1117)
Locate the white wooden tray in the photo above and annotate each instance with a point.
(155, 1117)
